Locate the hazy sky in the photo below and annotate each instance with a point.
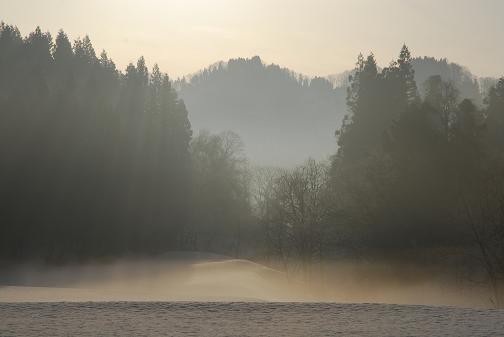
(315, 37)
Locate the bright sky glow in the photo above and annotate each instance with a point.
(316, 37)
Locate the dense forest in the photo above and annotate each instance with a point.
(415, 179)
(96, 161)
(101, 162)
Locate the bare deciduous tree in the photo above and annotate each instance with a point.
(485, 214)
(292, 205)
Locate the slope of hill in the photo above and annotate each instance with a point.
(282, 117)
(466, 83)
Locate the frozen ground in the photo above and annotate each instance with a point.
(244, 319)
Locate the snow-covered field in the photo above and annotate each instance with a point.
(211, 278)
(210, 319)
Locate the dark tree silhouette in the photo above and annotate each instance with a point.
(94, 161)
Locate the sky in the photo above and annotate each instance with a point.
(313, 37)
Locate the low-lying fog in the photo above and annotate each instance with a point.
(209, 277)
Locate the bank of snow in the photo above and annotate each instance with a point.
(175, 277)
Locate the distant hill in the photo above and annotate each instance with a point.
(469, 85)
(461, 77)
(282, 117)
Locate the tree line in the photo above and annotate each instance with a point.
(97, 161)
(417, 178)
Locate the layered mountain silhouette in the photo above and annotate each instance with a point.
(284, 117)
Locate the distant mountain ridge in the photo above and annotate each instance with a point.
(285, 117)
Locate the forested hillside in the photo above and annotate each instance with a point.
(467, 84)
(282, 117)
